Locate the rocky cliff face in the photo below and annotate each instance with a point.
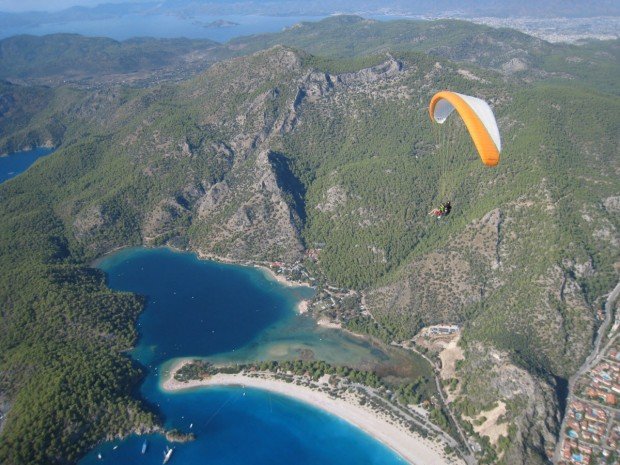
(248, 217)
(214, 182)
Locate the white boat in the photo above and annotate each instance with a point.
(168, 454)
(99, 456)
(144, 445)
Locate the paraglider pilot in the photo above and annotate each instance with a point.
(443, 210)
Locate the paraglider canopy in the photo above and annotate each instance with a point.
(478, 118)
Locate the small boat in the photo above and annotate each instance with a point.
(99, 456)
(168, 454)
(115, 447)
(144, 446)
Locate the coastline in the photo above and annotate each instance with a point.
(96, 261)
(410, 446)
(205, 256)
(280, 278)
(302, 305)
(48, 145)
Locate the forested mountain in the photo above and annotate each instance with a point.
(266, 155)
(504, 50)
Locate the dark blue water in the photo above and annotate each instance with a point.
(201, 308)
(18, 162)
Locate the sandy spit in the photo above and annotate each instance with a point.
(412, 447)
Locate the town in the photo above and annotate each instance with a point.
(592, 434)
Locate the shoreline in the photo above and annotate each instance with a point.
(280, 278)
(29, 148)
(207, 257)
(303, 305)
(410, 446)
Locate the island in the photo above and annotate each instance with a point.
(216, 24)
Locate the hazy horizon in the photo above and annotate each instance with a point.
(548, 8)
(27, 6)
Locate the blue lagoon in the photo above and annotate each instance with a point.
(198, 308)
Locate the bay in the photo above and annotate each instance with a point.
(198, 308)
(127, 26)
(15, 163)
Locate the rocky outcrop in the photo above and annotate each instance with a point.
(384, 71)
(4, 409)
(334, 197)
(612, 204)
(514, 65)
(212, 199)
(161, 220)
(89, 222)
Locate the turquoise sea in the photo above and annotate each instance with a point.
(15, 163)
(223, 312)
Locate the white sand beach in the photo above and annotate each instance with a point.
(412, 447)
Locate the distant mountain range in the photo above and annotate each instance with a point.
(453, 8)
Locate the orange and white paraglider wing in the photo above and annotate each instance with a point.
(478, 118)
